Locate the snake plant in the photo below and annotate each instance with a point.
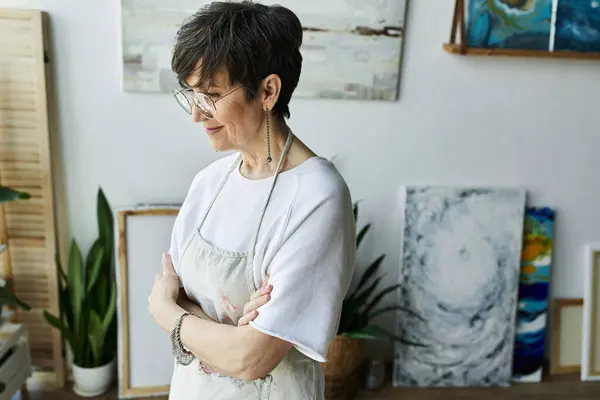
(88, 296)
(361, 306)
(8, 298)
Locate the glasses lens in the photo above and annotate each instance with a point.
(183, 101)
(204, 105)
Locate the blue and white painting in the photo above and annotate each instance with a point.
(509, 24)
(577, 25)
(459, 286)
(532, 25)
(532, 311)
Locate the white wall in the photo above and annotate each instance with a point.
(463, 121)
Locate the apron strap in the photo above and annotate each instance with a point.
(219, 188)
(288, 143)
(250, 260)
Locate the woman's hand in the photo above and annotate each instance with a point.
(165, 292)
(257, 299)
(184, 302)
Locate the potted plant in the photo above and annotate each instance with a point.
(7, 297)
(360, 307)
(88, 299)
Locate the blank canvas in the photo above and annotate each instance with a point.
(590, 360)
(145, 357)
(567, 336)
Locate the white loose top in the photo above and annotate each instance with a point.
(306, 242)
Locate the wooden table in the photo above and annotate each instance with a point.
(15, 360)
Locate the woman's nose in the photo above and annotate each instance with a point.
(197, 116)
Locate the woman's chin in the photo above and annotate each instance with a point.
(220, 145)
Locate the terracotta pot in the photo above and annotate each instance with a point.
(342, 369)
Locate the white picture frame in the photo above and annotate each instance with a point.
(590, 349)
(142, 234)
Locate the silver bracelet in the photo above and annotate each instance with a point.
(182, 356)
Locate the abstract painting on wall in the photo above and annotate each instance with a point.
(577, 25)
(552, 25)
(351, 48)
(459, 276)
(509, 24)
(532, 311)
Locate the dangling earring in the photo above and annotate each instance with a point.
(269, 159)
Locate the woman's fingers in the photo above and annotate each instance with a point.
(252, 305)
(257, 293)
(264, 289)
(257, 299)
(246, 318)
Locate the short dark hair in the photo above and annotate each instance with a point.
(247, 40)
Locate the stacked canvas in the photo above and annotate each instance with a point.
(532, 313)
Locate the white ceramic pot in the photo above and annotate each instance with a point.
(91, 382)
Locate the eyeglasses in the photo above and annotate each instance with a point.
(187, 99)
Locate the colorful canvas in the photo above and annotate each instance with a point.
(533, 295)
(531, 24)
(458, 286)
(509, 24)
(578, 25)
(351, 48)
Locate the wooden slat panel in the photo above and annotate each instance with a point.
(28, 226)
(23, 88)
(14, 143)
(25, 226)
(22, 119)
(26, 156)
(35, 205)
(22, 100)
(26, 133)
(40, 335)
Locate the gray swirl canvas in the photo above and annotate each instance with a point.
(460, 275)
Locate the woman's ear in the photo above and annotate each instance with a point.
(271, 89)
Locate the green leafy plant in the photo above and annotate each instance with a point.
(9, 194)
(8, 298)
(88, 296)
(361, 306)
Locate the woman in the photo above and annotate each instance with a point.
(272, 208)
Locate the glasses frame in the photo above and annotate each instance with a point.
(194, 99)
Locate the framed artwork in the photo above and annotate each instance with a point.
(533, 28)
(145, 358)
(459, 279)
(566, 336)
(534, 286)
(551, 25)
(577, 25)
(351, 50)
(590, 357)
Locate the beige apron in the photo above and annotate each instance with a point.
(221, 282)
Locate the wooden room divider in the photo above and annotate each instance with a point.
(29, 226)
